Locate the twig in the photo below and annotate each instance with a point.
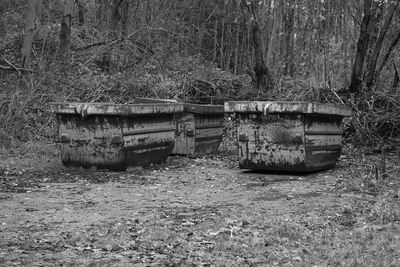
(383, 160)
(12, 67)
(338, 97)
(90, 45)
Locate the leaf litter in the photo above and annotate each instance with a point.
(194, 212)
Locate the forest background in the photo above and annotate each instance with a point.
(329, 51)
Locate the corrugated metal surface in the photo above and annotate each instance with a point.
(115, 136)
(288, 136)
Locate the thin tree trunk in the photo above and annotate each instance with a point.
(274, 40)
(262, 77)
(114, 18)
(3, 30)
(289, 27)
(221, 47)
(125, 17)
(382, 33)
(215, 41)
(29, 29)
(396, 80)
(65, 33)
(102, 12)
(236, 63)
(362, 45)
(81, 11)
(392, 46)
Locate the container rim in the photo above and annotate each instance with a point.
(191, 108)
(87, 109)
(204, 109)
(298, 107)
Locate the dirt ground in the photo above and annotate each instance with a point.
(194, 212)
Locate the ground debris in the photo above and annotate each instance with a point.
(196, 212)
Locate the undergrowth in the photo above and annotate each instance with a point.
(24, 96)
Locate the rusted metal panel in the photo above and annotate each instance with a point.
(86, 143)
(279, 144)
(185, 134)
(115, 137)
(323, 140)
(286, 107)
(199, 130)
(288, 136)
(104, 109)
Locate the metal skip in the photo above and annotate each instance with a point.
(115, 136)
(199, 128)
(288, 136)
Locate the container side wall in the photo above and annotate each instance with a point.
(209, 130)
(273, 142)
(93, 141)
(323, 140)
(184, 135)
(147, 139)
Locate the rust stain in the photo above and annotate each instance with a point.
(199, 130)
(282, 137)
(115, 141)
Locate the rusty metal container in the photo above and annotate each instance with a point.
(288, 136)
(115, 136)
(199, 128)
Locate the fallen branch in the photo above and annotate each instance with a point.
(13, 67)
(90, 45)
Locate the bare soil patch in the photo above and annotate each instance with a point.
(195, 212)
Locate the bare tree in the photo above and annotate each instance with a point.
(81, 11)
(29, 30)
(367, 25)
(371, 76)
(3, 30)
(288, 18)
(261, 75)
(65, 32)
(115, 17)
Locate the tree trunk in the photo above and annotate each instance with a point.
(3, 31)
(65, 33)
(392, 46)
(396, 80)
(367, 24)
(102, 12)
(115, 16)
(273, 45)
(236, 64)
(29, 29)
(81, 11)
(125, 18)
(222, 42)
(382, 33)
(215, 40)
(289, 40)
(262, 78)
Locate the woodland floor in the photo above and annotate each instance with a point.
(191, 212)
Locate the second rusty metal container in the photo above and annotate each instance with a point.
(288, 136)
(115, 136)
(199, 128)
